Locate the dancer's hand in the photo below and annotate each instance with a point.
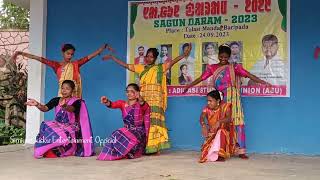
(107, 46)
(32, 102)
(14, 56)
(204, 131)
(104, 100)
(19, 52)
(107, 57)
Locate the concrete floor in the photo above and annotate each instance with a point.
(16, 162)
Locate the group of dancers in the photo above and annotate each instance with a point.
(143, 112)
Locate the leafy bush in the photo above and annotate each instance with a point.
(11, 135)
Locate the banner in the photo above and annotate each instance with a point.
(255, 30)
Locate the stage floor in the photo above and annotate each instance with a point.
(17, 162)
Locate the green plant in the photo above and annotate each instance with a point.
(12, 16)
(2, 114)
(11, 135)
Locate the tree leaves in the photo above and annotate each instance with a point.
(14, 17)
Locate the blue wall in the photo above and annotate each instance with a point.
(274, 125)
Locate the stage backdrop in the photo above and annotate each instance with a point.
(255, 30)
(273, 125)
